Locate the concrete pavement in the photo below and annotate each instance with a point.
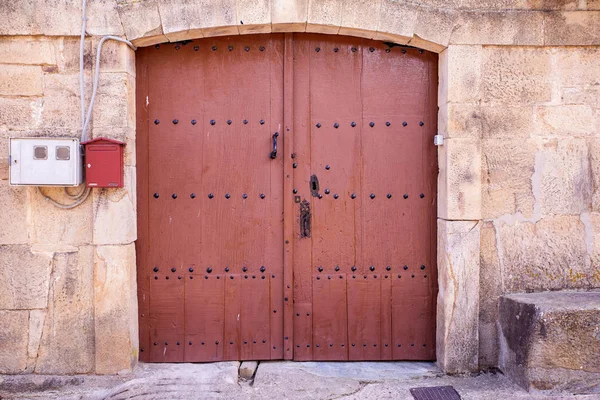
(273, 380)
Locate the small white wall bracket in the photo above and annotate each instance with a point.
(438, 140)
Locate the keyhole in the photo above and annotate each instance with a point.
(314, 186)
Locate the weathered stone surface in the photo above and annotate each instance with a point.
(20, 113)
(592, 222)
(115, 57)
(49, 224)
(456, 120)
(115, 308)
(572, 28)
(549, 254)
(485, 121)
(289, 16)
(36, 326)
(115, 217)
(61, 107)
(397, 21)
(160, 38)
(24, 277)
(588, 95)
(507, 121)
(140, 18)
(563, 175)
(68, 334)
(594, 151)
(248, 369)
(443, 77)
(180, 17)
(566, 120)
(255, 15)
(4, 152)
(219, 17)
(40, 17)
(508, 166)
(550, 340)
(464, 75)
(516, 75)
(490, 288)
(360, 18)
(504, 4)
(20, 80)
(457, 333)
(324, 16)
(459, 179)
(433, 28)
(115, 101)
(198, 18)
(13, 341)
(103, 18)
(13, 203)
(499, 28)
(27, 50)
(576, 66)
(183, 380)
(67, 58)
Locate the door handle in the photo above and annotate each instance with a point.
(274, 152)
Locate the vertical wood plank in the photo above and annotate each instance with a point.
(166, 319)
(303, 332)
(386, 317)
(302, 245)
(330, 327)
(364, 317)
(141, 244)
(232, 329)
(255, 318)
(288, 133)
(204, 322)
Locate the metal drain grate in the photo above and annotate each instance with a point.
(435, 393)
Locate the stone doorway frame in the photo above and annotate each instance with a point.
(459, 158)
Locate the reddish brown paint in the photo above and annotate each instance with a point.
(288, 199)
(103, 163)
(292, 310)
(341, 80)
(209, 298)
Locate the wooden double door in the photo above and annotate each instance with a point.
(286, 199)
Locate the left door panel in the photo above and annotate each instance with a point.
(210, 199)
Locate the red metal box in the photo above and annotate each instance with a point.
(104, 163)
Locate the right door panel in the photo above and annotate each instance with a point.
(365, 114)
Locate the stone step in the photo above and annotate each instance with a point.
(550, 341)
(247, 370)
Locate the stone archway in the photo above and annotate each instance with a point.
(459, 187)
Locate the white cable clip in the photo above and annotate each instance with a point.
(438, 140)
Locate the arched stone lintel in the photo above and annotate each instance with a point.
(191, 34)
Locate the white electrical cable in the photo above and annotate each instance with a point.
(96, 78)
(85, 119)
(66, 206)
(77, 195)
(81, 54)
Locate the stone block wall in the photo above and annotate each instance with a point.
(538, 117)
(519, 198)
(67, 277)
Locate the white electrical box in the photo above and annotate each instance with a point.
(45, 162)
